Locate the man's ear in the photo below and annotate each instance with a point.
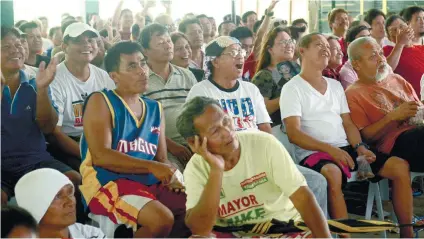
(63, 46)
(114, 76)
(355, 65)
(214, 63)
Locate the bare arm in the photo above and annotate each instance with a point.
(263, 29)
(201, 218)
(272, 105)
(265, 127)
(352, 132)
(394, 57)
(306, 204)
(98, 132)
(117, 14)
(66, 143)
(46, 115)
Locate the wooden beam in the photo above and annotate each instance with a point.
(361, 7)
(384, 6)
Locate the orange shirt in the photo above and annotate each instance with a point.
(369, 103)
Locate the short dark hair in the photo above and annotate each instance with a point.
(372, 14)
(201, 16)
(147, 33)
(20, 22)
(15, 216)
(296, 31)
(65, 24)
(353, 31)
(5, 30)
(299, 20)
(113, 56)
(306, 40)
(188, 21)
(246, 15)
(222, 23)
(175, 36)
(53, 30)
(410, 11)
(28, 25)
(390, 20)
(241, 33)
(333, 13)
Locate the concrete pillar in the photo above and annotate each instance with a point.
(7, 17)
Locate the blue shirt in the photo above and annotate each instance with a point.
(22, 142)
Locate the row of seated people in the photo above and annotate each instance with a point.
(246, 114)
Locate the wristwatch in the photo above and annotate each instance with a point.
(361, 144)
(269, 14)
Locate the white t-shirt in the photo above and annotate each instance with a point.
(319, 114)
(244, 102)
(69, 94)
(257, 189)
(422, 88)
(30, 71)
(78, 230)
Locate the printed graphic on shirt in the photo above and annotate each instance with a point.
(254, 181)
(244, 119)
(241, 210)
(77, 107)
(138, 145)
(222, 194)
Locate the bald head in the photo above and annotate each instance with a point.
(356, 48)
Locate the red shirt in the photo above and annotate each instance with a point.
(331, 73)
(411, 65)
(343, 45)
(249, 68)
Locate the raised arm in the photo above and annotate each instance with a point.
(263, 29)
(117, 14)
(402, 39)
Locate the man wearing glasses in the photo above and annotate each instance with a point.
(241, 100)
(168, 84)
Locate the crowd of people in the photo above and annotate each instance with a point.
(171, 128)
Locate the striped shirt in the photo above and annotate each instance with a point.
(172, 94)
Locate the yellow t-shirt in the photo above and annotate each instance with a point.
(257, 189)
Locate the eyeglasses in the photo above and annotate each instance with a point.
(286, 42)
(234, 53)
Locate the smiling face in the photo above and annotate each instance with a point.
(377, 27)
(372, 64)
(336, 54)
(62, 211)
(283, 47)
(182, 53)
(340, 24)
(317, 54)
(161, 48)
(12, 53)
(35, 42)
(231, 62)
(81, 49)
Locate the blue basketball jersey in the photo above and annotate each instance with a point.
(131, 136)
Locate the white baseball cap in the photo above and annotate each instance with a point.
(36, 190)
(77, 29)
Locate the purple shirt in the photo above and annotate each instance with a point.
(347, 75)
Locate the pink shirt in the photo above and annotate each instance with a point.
(347, 75)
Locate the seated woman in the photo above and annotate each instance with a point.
(336, 59)
(182, 54)
(275, 68)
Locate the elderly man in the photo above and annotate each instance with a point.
(226, 171)
(382, 105)
(242, 100)
(48, 196)
(317, 119)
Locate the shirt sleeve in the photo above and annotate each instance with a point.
(58, 100)
(344, 107)
(195, 91)
(195, 181)
(290, 102)
(357, 113)
(263, 80)
(284, 172)
(262, 115)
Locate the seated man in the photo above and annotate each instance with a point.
(317, 119)
(168, 84)
(48, 196)
(27, 114)
(242, 100)
(19, 223)
(75, 79)
(226, 171)
(125, 170)
(382, 105)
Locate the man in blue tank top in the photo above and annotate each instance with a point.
(126, 174)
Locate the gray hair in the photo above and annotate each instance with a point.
(354, 50)
(191, 110)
